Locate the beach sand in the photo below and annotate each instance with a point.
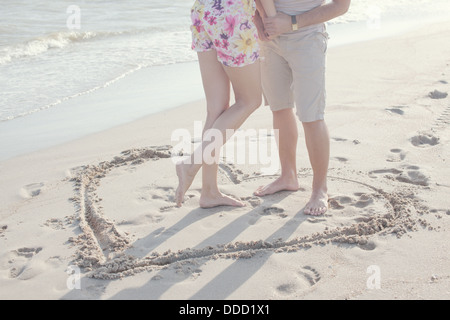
(104, 203)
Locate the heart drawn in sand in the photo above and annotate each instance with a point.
(109, 249)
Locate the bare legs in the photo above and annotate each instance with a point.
(318, 145)
(220, 118)
(285, 125)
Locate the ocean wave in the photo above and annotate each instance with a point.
(4, 118)
(43, 44)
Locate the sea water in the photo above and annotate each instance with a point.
(55, 51)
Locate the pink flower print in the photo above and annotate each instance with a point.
(212, 20)
(225, 43)
(230, 23)
(239, 60)
(208, 45)
(198, 25)
(217, 43)
(224, 57)
(230, 2)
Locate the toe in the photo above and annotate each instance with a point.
(258, 191)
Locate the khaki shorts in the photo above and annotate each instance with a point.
(293, 73)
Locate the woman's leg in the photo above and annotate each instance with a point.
(216, 86)
(247, 91)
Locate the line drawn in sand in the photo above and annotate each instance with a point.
(102, 246)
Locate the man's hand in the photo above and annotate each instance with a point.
(277, 25)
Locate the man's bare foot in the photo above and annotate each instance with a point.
(318, 204)
(185, 180)
(281, 184)
(217, 200)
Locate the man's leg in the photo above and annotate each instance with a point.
(285, 125)
(318, 144)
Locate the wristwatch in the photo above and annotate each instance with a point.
(294, 23)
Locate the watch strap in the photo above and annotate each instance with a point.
(294, 23)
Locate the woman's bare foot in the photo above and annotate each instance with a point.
(281, 184)
(217, 199)
(185, 179)
(318, 204)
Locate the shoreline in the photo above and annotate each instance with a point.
(142, 93)
(67, 121)
(389, 209)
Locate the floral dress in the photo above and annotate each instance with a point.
(227, 27)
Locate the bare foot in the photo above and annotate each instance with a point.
(318, 204)
(281, 184)
(218, 200)
(184, 182)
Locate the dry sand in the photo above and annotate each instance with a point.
(105, 202)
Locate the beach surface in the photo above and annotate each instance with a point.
(95, 218)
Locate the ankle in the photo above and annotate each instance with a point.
(210, 192)
(320, 189)
(289, 176)
(189, 168)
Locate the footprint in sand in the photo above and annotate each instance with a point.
(397, 110)
(412, 175)
(32, 190)
(339, 139)
(19, 263)
(363, 201)
(341, 202)
(306, 278)
(3, 230)
(163, 196)
(338, 203)
(396, 155)
(369, 246)
(436, 94)
(340, 159)
(272, 211)
(423, 140)
(253, 201)
(55, 224)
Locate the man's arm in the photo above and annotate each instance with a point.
(269, 7)
(258, 20)
(282, 23)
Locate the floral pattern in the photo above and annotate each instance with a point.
(227, 27)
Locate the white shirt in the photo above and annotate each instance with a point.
(292, 7)
(295, 7)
